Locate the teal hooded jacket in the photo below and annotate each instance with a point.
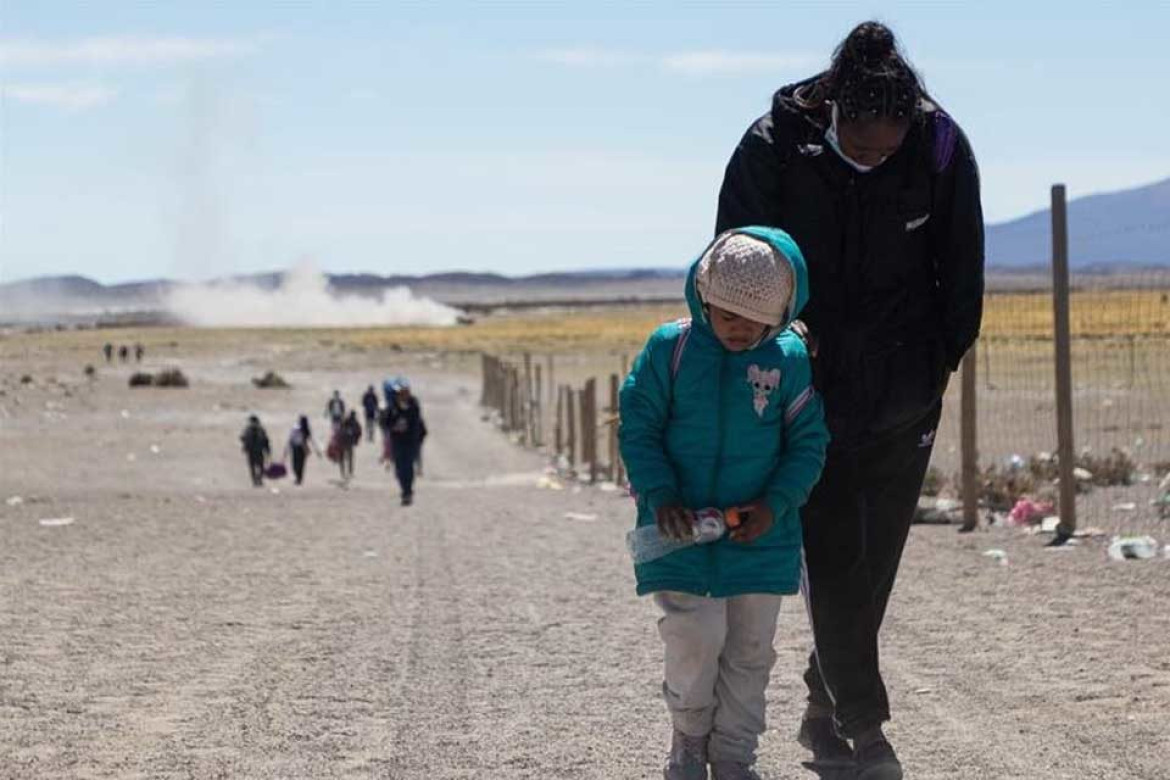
(723, 429)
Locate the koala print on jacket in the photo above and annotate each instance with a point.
(763, 383)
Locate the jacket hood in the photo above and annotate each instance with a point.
(786, 248)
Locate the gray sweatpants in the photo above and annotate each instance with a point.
(718, 657)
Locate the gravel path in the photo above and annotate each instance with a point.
(186, 625)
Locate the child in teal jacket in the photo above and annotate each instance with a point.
(719, 411)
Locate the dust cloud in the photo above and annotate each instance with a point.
(303, 299)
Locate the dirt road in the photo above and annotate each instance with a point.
(186, 625)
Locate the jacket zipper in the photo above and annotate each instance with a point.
(718, 458)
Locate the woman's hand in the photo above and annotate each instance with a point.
(755, 519)
(810, 342)
(675, 521)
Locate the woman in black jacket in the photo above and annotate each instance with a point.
(879, 187)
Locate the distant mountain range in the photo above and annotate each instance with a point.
(1111, 232)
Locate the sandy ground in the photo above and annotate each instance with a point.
(186, 625)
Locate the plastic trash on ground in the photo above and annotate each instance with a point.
(51, 522)
(1027, 511)
(14, 501)
(1133, 548)
(997, 555)
(580, 517)
(1127, 506)
(549, 483)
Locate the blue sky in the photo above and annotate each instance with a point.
(193, 139)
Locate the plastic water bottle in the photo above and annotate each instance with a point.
(646, 543)
(1139, 547)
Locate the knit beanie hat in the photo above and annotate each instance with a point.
(747, 276)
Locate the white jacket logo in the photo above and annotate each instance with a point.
(763, 383)
(914, 224)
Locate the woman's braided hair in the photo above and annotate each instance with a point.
(870, 79)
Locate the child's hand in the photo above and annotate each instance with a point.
(754, 521)
(675, 521)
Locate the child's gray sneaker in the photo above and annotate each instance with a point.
(688, 757)
(733, 770)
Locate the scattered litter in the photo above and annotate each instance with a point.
(1166, 551)
(1016, 462)
(549, 483)
(274, 491)
(125, 414)
(1092, 532)
(1127, 506)
(921, 691)
(1082, 474)
(1133, 547)
(1026, 511)
(998, 555)
(131, 457)
(155, 449)
(1049, 525)
(937, 511)
(370, 554)
(608, 487)
(14, 501)
(582, 516)
(56, 521)
(200, 500)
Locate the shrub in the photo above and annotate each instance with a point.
(141, 379)
(171, 377)
(270, 380)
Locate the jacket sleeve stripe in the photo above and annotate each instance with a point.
(798, 404)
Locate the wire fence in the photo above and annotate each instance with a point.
(1120, 364)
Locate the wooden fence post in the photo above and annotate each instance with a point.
(969, 442)
(589, 427)
(1063, 343)
(526, 399)
(614, 456)
(538, 415)
(570, 409)
(558, 430)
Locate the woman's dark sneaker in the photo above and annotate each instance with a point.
(877, 760)
(828, 749)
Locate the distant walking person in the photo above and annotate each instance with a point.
(123, 353)
(407, 431)
(108, 351)
(139, 351)
(370, 403)
(349, 436)
(335, 410)
(254, 441)
(300, 444)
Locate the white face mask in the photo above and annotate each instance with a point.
(833, 141)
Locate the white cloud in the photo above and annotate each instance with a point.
(691, 63)
(719, 62)
(126, 50)
(71, 97)
(589, 57)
